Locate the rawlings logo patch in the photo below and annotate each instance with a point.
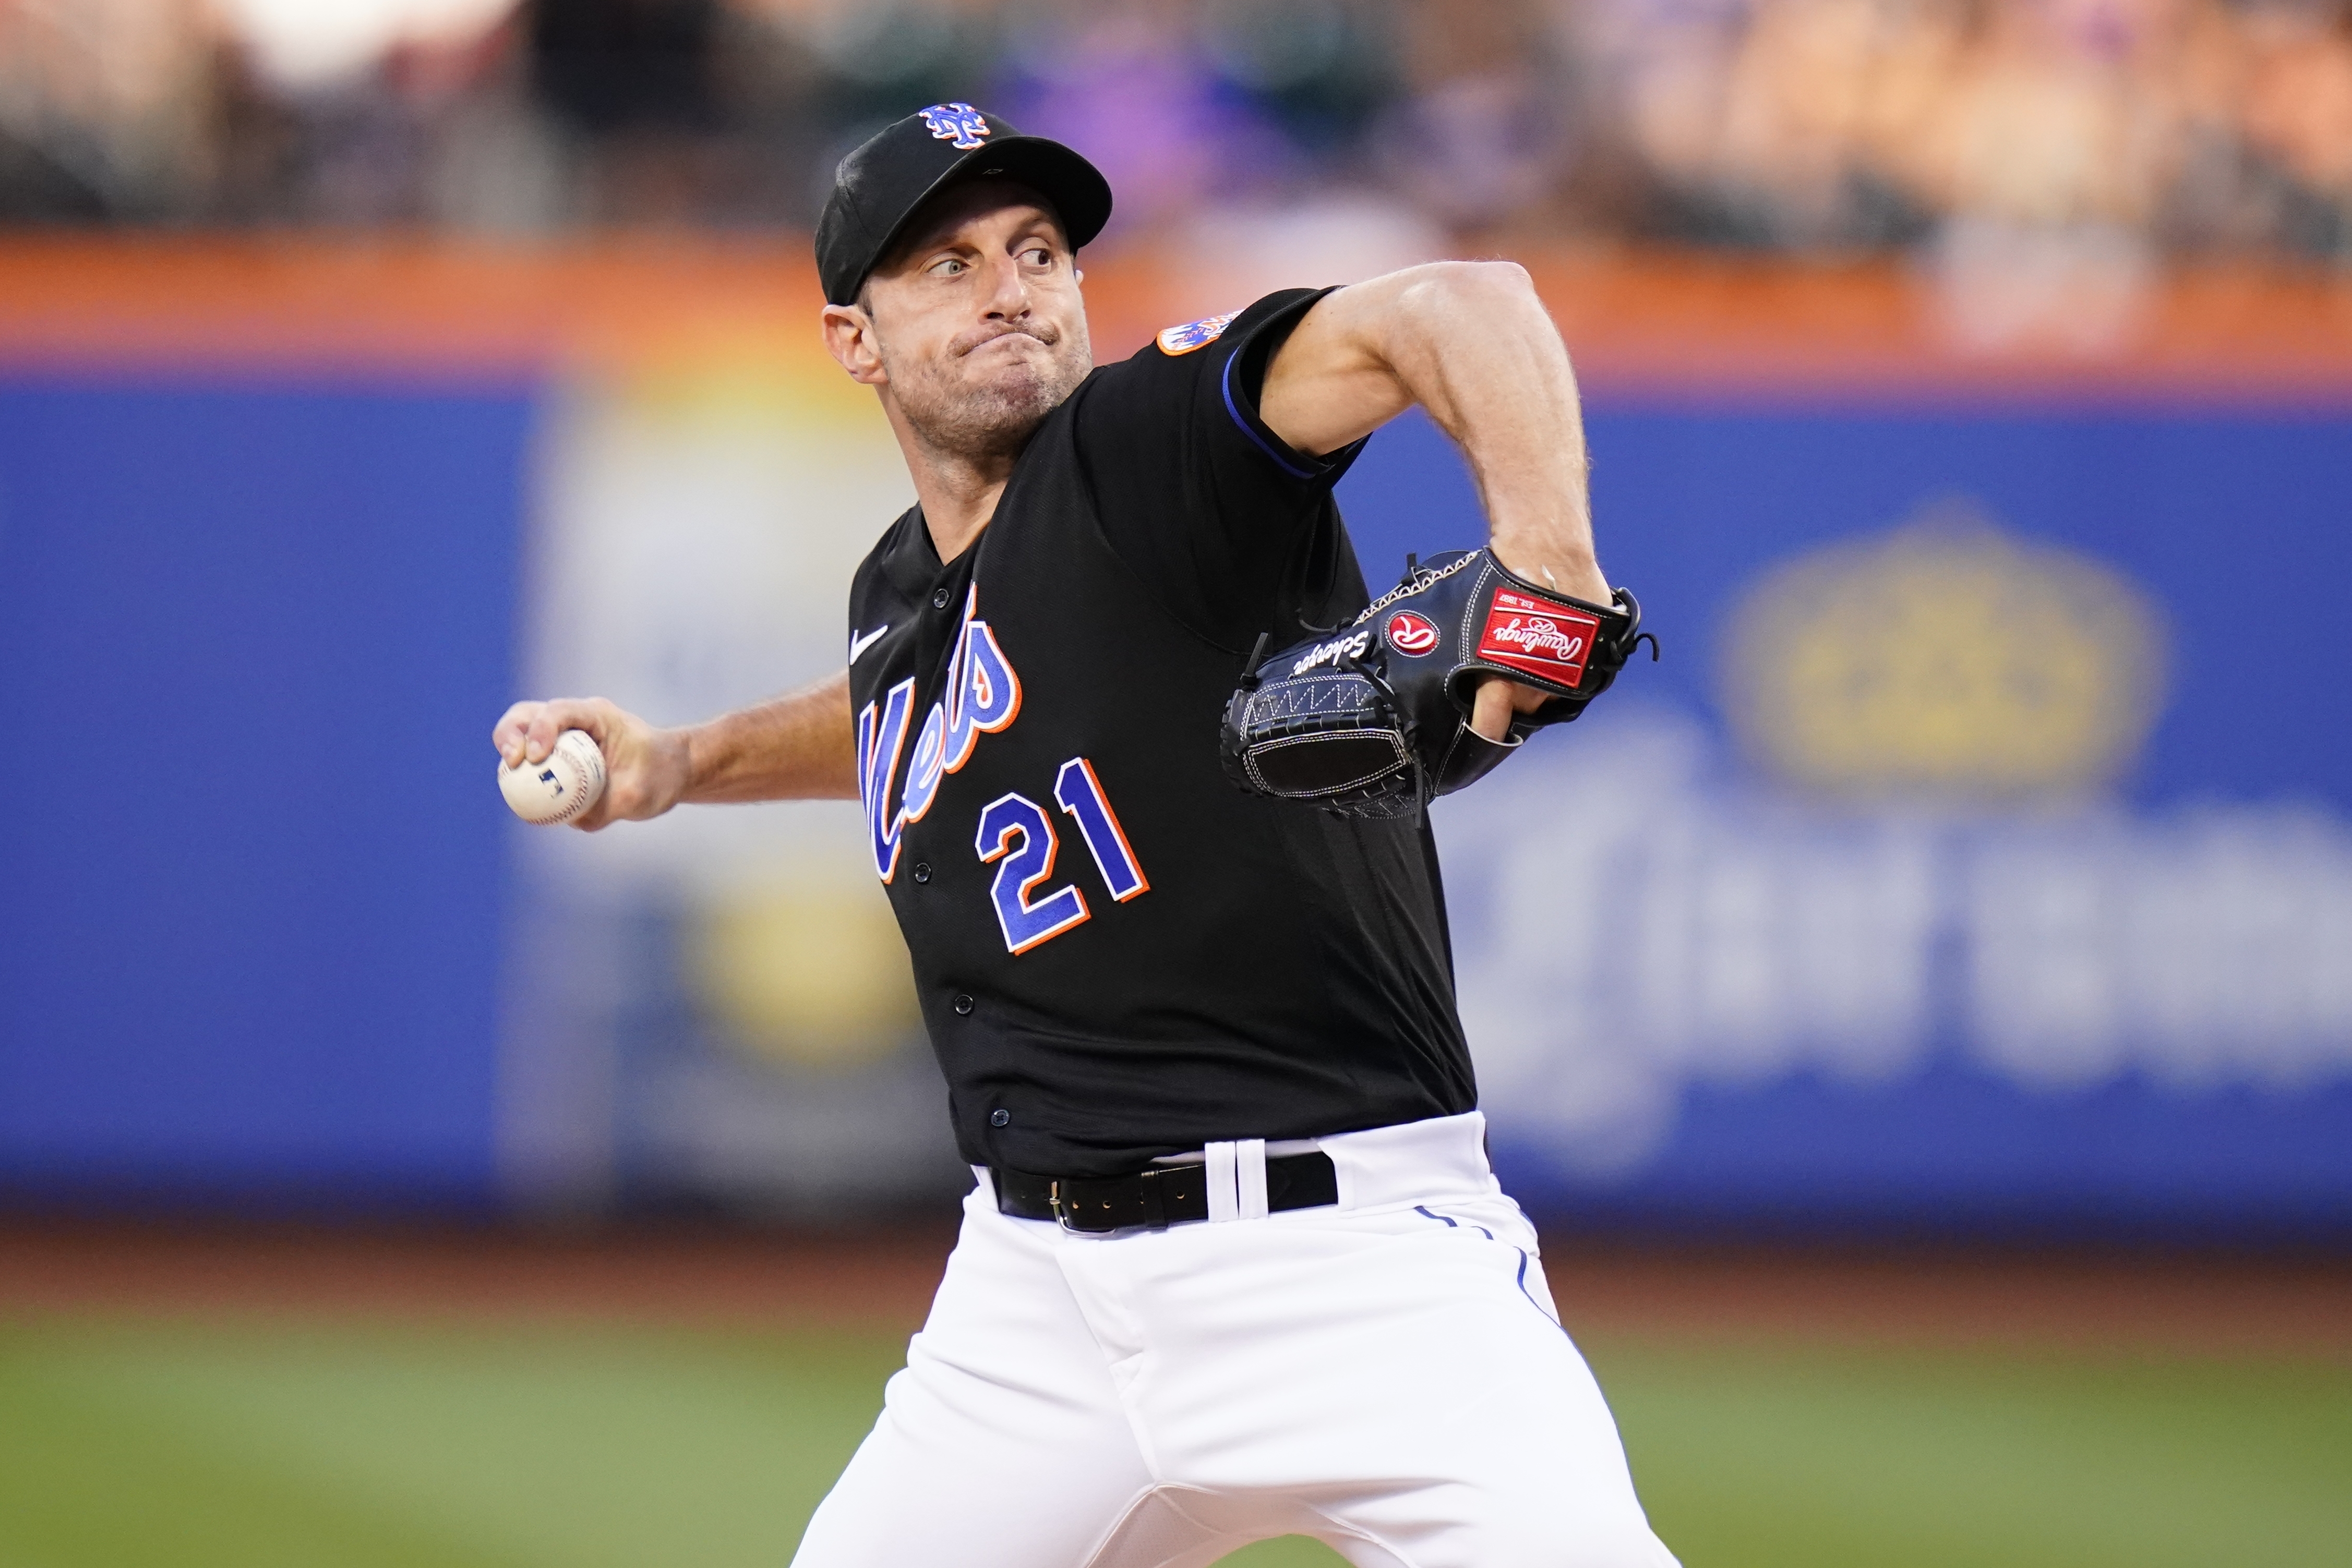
(958, 124)
(1194, 335)
(1410, 634)
(1537, 637)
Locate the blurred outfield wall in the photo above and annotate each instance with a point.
(1980, 855)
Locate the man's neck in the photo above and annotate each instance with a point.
(958, 496)
(957, 492)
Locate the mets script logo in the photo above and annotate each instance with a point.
(958, 124)
(1194, 335)
(982, 695)
(1412, 634)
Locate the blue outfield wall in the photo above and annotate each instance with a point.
(250, 639)
(252, 907)
(2241, 524)
(2239, 527)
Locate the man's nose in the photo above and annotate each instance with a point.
(1008, 290)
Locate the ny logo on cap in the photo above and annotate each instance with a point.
(958, 124)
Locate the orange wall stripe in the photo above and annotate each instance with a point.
(1641, 325)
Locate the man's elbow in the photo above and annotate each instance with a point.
(1444, 289)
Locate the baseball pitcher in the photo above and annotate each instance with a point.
(1145, 770)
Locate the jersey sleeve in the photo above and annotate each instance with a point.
(1234, 530)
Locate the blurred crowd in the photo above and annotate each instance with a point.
(2116, 128)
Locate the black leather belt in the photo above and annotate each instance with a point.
(1157, 1198)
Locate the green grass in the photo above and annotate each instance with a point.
(1821, 1459)
(127, 1444)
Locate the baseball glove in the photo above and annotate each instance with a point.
(1373, 719)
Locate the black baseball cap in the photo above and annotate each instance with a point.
(878, 187)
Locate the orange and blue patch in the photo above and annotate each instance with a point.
(1194, 335)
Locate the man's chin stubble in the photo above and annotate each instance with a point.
(993, 420)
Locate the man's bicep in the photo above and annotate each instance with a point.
(1330, 384)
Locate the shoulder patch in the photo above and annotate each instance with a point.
(1194, 335)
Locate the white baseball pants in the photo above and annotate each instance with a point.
(1388, 1376)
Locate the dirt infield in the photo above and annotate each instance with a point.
(717, 1277)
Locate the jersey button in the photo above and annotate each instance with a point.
(922, 871)
(1000, 1118)
(963, 1006)
(939, 600)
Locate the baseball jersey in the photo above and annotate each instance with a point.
(1119, 955)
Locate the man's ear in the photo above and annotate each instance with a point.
(849, 338)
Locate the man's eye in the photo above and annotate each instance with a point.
(949, 266)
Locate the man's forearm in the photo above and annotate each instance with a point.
(800, 746)
(1477, 349)
(1471, 342)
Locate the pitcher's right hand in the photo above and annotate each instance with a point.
(646, 768)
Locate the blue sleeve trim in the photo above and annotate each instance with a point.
(1251, 431)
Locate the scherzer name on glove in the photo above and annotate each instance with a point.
(1373, 720)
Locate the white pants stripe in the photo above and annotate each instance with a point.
(1387, 1375)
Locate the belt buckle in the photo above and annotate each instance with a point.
(1061, 1198)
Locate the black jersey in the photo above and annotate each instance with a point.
(1118, 953)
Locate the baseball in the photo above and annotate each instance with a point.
(560, 788)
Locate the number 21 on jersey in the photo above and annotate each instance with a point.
(1017, 837)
